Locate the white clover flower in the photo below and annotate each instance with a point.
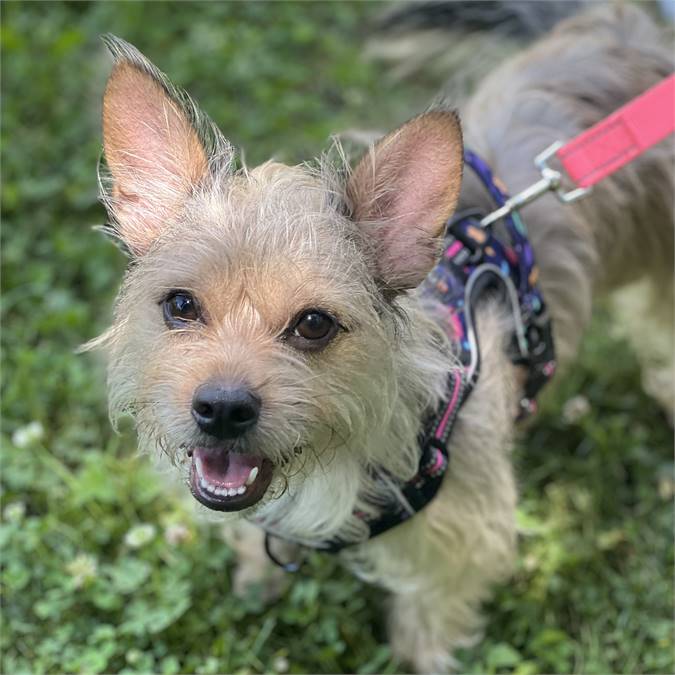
(280, 664)
(14, 512)
(530, 562)
(28, 435)
(82, 568)
(176, 534)
(666, 488)
(576, 408)
(139, 535)
(133, 656)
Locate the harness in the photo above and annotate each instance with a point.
(476, 264)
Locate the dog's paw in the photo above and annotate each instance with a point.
(268, 583)
(255, 575)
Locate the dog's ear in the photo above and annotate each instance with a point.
(403, 191)
(152, 148)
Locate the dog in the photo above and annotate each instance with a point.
(272, 345)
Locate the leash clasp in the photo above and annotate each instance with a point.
(551, 180)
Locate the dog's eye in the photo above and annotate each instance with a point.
(312, 330)
(180, 307)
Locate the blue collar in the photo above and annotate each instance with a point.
(475, 262)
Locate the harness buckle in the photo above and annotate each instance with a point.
(550, 181)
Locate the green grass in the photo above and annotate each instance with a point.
(104, 571)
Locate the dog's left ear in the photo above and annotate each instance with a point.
(153, 150)
(403, 191)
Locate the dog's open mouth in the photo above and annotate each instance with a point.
(228, 481)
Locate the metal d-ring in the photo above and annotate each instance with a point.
(292, 567)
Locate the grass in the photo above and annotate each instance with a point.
(102, 570)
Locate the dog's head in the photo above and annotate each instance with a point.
(258, 336)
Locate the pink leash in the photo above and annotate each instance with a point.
(621, 137)
(603, 149)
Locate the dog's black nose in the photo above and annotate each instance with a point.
(225, 412)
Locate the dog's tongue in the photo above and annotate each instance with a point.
(223, 468)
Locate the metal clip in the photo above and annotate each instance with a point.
(551, 180)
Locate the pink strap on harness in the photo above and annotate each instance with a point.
(619, 138)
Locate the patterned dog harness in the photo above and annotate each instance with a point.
(475, 264)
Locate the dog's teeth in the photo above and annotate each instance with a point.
(210, 487)
(241, 490)
(252, 476)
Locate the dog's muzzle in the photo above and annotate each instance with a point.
(224, 480)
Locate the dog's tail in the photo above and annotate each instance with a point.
(517, 18)
(455, 43)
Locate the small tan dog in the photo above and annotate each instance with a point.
(271, 345)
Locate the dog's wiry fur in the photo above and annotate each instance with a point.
(257, 246)
(590, 66)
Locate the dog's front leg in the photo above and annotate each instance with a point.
(254, 571)
(460, 547)
(444, 562)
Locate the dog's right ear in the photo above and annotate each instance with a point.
(403, 191)
(152, 147)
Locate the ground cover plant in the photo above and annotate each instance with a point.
(103, 568)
